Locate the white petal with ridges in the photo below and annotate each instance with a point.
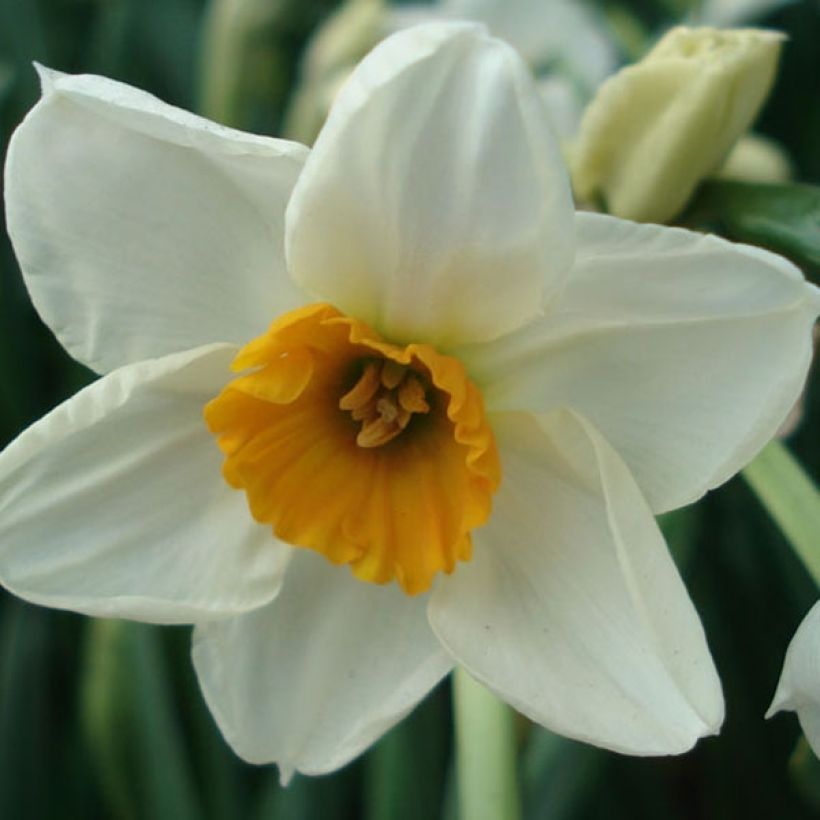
(434, 204)
(685, 351)
(799, 687)
(314, 678)
(114, 504)
(142, 229)
(571, 608)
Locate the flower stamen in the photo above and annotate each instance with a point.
(384, 399)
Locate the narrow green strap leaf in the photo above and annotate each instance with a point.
(485, 753)
(224, 37)
(335, 797)
(248, 54)
(6, 80)
(132, 724)
(405, 772)
(784, 217)
(680, 531)
(559, 775)
(791, 498)
(27, 650)
(804, 772)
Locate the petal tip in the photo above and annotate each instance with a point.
(782, 701)
(286, 772)
(48, 77)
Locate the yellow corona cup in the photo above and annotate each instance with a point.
(658, 127)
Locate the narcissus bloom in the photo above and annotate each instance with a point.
(444, 379)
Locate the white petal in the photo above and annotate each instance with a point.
(685, 351)
(142, 229)
(114, 503)
(312, 679)
(434, 204)
(799, 686)
(571, 608)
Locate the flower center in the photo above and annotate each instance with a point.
(376, 455)
(384, 400)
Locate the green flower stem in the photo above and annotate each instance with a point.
(485, 753)
(792, 500)
(224, 35)
(241, 69)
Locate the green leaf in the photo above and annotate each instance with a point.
(784, 217)
(804, 770)
(6, 81)
(680, 530)
(22, 31)
(132, 724)
(791, 498)
(405, 772)
(559, 776)
(331, 797)
(26, 642)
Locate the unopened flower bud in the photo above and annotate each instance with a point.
(757, 159)
(657, 128)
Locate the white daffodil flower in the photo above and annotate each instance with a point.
(799, 687)
(476, 344)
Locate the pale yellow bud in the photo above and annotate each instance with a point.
(757, 159)
(657, 128)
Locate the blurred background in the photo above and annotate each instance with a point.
(104, 719)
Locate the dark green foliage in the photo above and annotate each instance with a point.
(782, 217)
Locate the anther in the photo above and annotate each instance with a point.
(384, 400)
(392, 373)
(364, 389)
(411, 396)
(387, 409)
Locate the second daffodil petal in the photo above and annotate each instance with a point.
(799, 687)
(312, 679)
(434, 204)
(686, 351)
(572, 609)
(141, 229)
(113, 504)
